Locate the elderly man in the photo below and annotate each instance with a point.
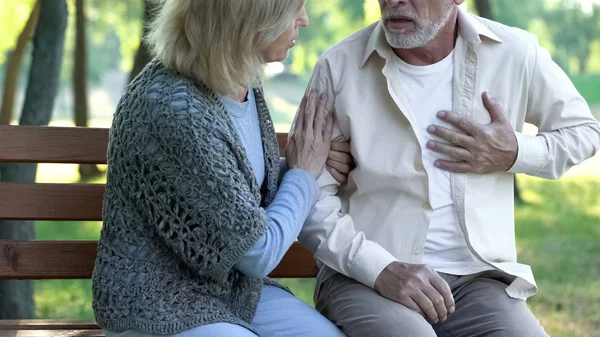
(420, 241)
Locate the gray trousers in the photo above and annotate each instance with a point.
(482, 309)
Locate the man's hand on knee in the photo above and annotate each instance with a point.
(417, 287)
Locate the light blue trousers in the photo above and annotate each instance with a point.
(279, 314)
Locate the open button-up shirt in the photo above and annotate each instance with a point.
(382, 214)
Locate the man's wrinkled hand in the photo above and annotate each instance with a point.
(418, 288)
(474, 147)
(340, 162)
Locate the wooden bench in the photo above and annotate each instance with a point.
(35, 260)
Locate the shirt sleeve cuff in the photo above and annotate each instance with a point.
(369, 262)
(531, 155)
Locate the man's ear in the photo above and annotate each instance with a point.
(459, 2)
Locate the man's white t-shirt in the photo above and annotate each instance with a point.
(428, 90)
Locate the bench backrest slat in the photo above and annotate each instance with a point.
(35, 144)
(51, 201)
(36, 260)
(38, 144)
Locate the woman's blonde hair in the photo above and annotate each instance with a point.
(219, 42)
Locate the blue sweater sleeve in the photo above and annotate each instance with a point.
(282, 168)
(285, 215)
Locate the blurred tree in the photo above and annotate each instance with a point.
(331, 21)
(355, 9)
(142, 56)
(80, 108)
(13, 18)
(484, 9)
(112, 37)
(517, 13)
(576, 41)
(16, 297)
(372, 12)
(14, 64)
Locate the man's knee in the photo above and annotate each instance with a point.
(519, 322)
(392, 324)
(487, 310)
(361, 312)
(387, 319)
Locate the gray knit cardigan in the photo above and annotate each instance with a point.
(181, 207)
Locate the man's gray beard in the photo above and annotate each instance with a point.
(424, 32)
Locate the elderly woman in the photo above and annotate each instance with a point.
(197, 211)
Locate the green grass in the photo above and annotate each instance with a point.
(558, 233)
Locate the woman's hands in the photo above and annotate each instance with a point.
(309, 145)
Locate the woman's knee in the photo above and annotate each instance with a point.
(217, 329)
(281, 314)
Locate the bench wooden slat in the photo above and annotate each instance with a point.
(51, 201)
(47, 324)
(282, 139)
(52, 333)
(36, 260)
(42, 144)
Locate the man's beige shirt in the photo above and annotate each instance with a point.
(382, 214)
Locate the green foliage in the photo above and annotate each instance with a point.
(517, 13)
(124, 19)
(574, 42)
(58, 299)
(113, 33)
(563, 27)
(13, 16)
(114, 29)
(327, 26)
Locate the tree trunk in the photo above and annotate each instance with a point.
(81, 111)
(13, 64)
(484, 9)
(583, 60)
(518, 198)
(142, 56)
(16, 297)
(80, 67)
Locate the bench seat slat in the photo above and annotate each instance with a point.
(52, 333)
(36, 260)
(47, 324)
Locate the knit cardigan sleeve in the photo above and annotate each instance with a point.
(191, 187)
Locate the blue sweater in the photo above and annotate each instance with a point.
(295, 197)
